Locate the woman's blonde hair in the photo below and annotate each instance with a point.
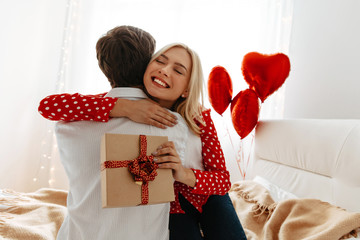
(189, 108)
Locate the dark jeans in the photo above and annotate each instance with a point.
(217, 221)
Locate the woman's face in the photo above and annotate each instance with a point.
(167, 77)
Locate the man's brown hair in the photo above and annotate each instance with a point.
(123, 54)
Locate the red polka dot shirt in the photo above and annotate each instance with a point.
(214, 180)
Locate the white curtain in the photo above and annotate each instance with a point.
(49, 47)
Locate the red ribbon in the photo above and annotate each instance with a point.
(143, 168)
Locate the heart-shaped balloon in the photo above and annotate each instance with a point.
(265, 73)
(245, 109)
(219, 89)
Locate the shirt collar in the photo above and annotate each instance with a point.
(126, 92)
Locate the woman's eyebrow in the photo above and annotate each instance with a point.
(179, 64)
(164, 56)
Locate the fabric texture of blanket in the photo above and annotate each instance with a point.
(262, 218)
(36, 215)
(39, 215)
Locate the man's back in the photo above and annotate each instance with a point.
(79, 146)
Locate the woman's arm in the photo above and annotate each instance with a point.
(78, 107)
(215, 179)
(166, 156)
(144, 111)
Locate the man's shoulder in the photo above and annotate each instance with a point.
(120, 125)
(78, 129)
(76, 124)
(181, 121)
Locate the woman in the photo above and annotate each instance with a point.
(174, 79)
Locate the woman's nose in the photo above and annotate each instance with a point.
(164, 71)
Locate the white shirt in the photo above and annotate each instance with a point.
(79, 147)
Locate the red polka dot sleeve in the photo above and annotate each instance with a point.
(76, 107)
(216, 178)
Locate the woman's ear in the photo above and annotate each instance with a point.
(185, 94)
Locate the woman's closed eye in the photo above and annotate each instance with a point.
(159, 61)
(178, 71)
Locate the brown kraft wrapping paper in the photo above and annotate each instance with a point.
(118, 187)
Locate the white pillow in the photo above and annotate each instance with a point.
(278, 194)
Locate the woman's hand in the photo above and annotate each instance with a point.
(166, 156)
(144, 111)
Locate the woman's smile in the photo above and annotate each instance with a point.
(160, 82)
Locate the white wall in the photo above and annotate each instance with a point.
(324, 81)
(30, 46)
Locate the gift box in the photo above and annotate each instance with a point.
(129, 177)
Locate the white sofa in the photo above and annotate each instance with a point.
(311, 158)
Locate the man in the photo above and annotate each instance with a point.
(123, 54)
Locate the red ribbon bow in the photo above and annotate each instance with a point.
(143, 168)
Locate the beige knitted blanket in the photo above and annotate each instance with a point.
(39, 215)
(293, 219)
(36, 215)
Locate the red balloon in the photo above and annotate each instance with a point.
(265, 73)
(219, 89)
(245, 109)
